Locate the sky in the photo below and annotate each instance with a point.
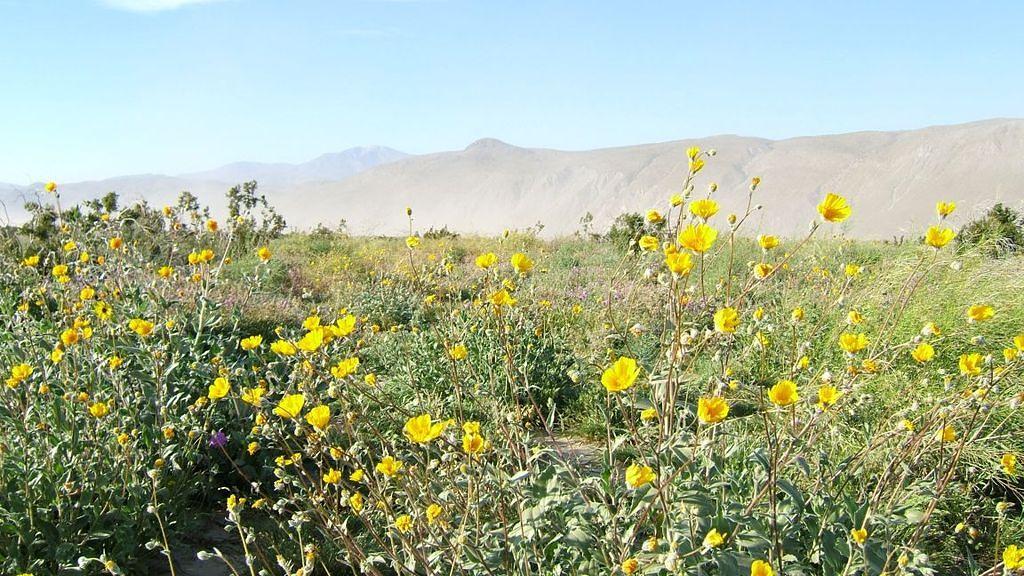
(97, 88)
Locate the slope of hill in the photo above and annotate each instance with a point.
(328, 167)
(210, 185)
(893, 180)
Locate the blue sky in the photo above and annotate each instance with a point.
(95, 88)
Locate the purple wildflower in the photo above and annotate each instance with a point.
(218, 439)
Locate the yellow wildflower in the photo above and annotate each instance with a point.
(704, 208)
(290, 406)
(388, 466)
(219, 389)
(620, 375)
(924, 352)
(319, 417)
(421, 429)
(697, 238)
(727, 320)
(834, 208)
(783, 393)
(712, 409)
(980, 313)
(637, 475)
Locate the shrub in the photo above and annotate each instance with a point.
(999, 232)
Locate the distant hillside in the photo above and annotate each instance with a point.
(893, 180)
(328, 167)
(209, 185)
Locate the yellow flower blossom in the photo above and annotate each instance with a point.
(620, 375)
(219, 389)
(290, 406)
(712, 409)
(252, 342)
(970, 364)
(980, 313)
(783, 393)
(421, 429)
(944, 209)
(345, 367)
(638, 475)
(403, 523)
(679, 263)
(522, 263)
(486, 260)
(99, 409)
(502, 298)
(713, 539)
(1008, 463)
(937, 237)
(312, 341)
(834, 208)
(458, 352)
(768, 242)
(827, 396)
(253, 396)
(761, 568)
(433, 512)
(283, 348)
(344, 326)
(704, 208)
(473, 443)
(1013, 558)
(319, 417)
(697, 238)
(649, 243)
(924, 352)
(389, 466)
(140, 326)
(853, 343)
(727, 320)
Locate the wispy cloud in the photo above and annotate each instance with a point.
(151, 5)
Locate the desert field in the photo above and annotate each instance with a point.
(187, 394)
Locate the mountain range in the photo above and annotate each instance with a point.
(892, 180)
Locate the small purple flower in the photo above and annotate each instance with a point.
(218, 439)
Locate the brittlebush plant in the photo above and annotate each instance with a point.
(731, 450)
(104, 343)
(420, 430)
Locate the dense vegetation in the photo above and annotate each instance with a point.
(672, 398)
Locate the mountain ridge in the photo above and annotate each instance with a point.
(892, 178)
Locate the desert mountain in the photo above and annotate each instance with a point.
(892, 179)
(210, 185)
(328, 167)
